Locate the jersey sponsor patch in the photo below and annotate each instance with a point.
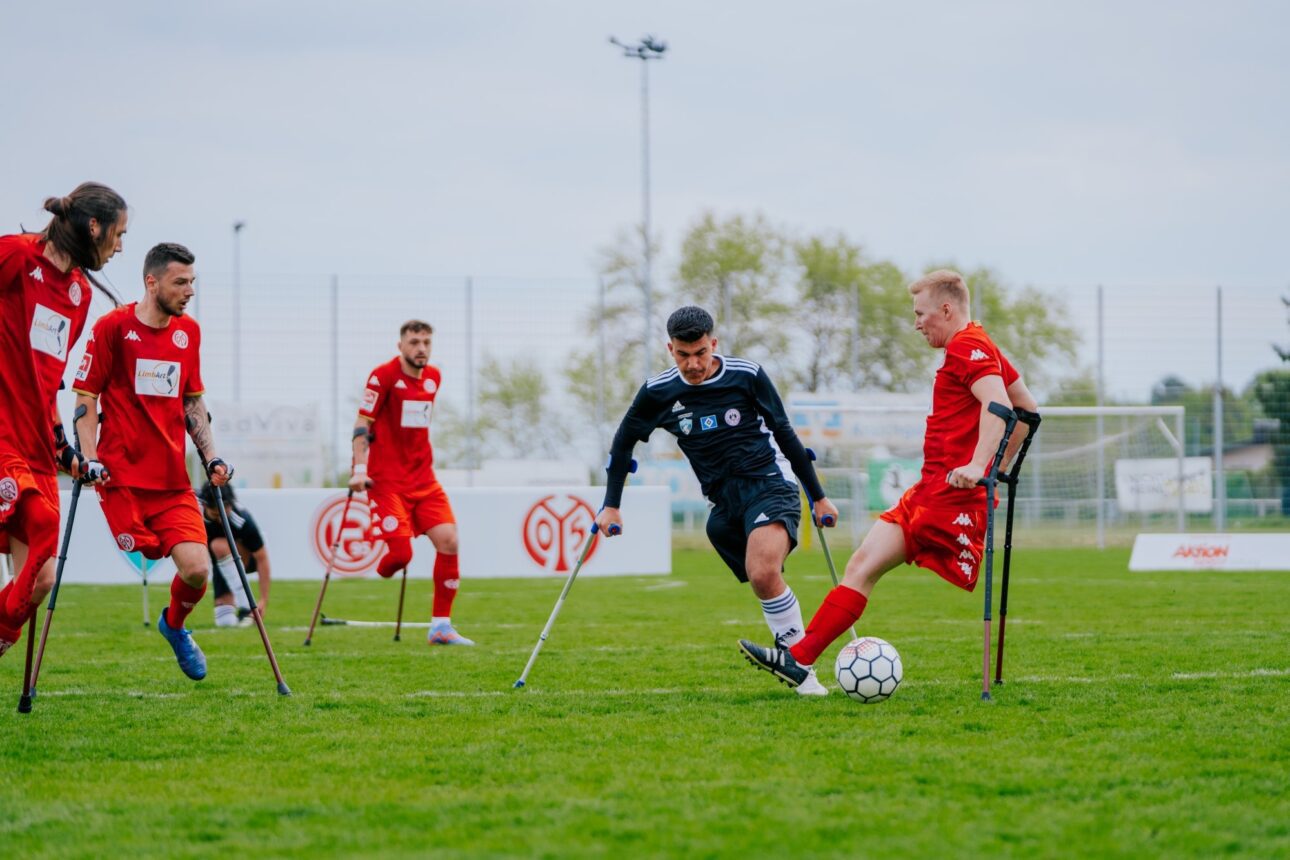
(155, 378)
(732, 417)
(84, 370)
(369, 400)
(686, 424)
(708, 422)
(978, 355)
(416, 413)
(180, 339)
(49, 332)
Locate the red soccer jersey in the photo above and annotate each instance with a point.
(141, 376)
(955, 420)
(400, 407)
(42, 314)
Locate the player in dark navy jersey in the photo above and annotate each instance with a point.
(232, 607)
(731, 425)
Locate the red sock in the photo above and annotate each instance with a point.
(841, 608)
(445, 584)
(183, 597)
(397, 558)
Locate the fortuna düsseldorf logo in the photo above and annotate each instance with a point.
(357, 552)
(556, 532)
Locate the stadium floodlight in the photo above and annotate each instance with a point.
(648, 48)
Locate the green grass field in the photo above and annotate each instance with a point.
(1145, 715)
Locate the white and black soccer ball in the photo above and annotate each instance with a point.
(869, 669)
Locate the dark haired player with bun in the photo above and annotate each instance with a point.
(45, 284)
(731, 425)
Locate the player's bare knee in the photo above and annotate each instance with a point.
(44, 582)
(219, 546)
(767, 582)
(444, 538)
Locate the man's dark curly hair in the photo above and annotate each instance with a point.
(689, 323)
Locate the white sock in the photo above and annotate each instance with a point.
(784, 618)
(228, 570)
(225, 615)
(436, 620)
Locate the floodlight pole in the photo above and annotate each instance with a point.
(237, 310)
(648, 48)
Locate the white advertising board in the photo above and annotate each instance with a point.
(1150, 485)
(273, 444)
(504, 532)
(1211, 552)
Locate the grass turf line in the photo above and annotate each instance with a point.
(1143, 715)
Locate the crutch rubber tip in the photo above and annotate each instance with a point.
(518, 684)
(307, 641)
(24, 705)
(396, 637)
(985, 697)
(283, 689)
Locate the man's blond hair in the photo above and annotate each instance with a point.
(944, 285)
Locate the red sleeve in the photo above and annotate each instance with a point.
(92, 374)
(373, 394)
(12, 257)
(193, 386)
(971, 358)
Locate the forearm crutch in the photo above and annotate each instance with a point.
(824, 544)
(331, 562)
(398, 623)
(283, 689)
(990, 481)
(1031, 420)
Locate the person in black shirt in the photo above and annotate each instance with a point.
(232, 608)
(731, 425)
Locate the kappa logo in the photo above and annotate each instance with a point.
(678, 407)
(761, 518)
(963, 539)
(967, 569)
(125, 541)
(400, 384)
(977, 355)
(133, 335)
(962, 520)
(8, 489)
(708, 422)
(373, 381)
(732, 417)
(965, 554)
(74, 293)
(180, 339)
(37, 274)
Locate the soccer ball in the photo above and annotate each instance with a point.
(868, 669)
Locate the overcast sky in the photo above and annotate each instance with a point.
(1064, 144)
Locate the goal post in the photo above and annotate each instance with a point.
(1093, 474)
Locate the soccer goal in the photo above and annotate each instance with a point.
(1094, 475)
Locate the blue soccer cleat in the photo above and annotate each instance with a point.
(191, 659)
(443, 634)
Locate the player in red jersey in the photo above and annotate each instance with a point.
(939, 523)
(394, 462)
(142, 368)
(44, 303)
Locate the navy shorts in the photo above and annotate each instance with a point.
(744, 504)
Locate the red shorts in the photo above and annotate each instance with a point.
(408, 514)
(151, 522)
(946, 540)
(16, 480)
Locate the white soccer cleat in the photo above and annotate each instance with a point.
(812, 686)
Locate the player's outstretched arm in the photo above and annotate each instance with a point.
(198, 421)
(987, 389)
(358, 480)
(637, 425)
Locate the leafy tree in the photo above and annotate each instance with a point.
(734, 269)
(1271, 390)
(513, 419)
(620, 324)
(1239, 411)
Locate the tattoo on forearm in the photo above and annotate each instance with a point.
(199, 427)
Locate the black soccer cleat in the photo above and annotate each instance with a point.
(778, 661)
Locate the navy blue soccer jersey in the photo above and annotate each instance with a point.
(732, 424)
